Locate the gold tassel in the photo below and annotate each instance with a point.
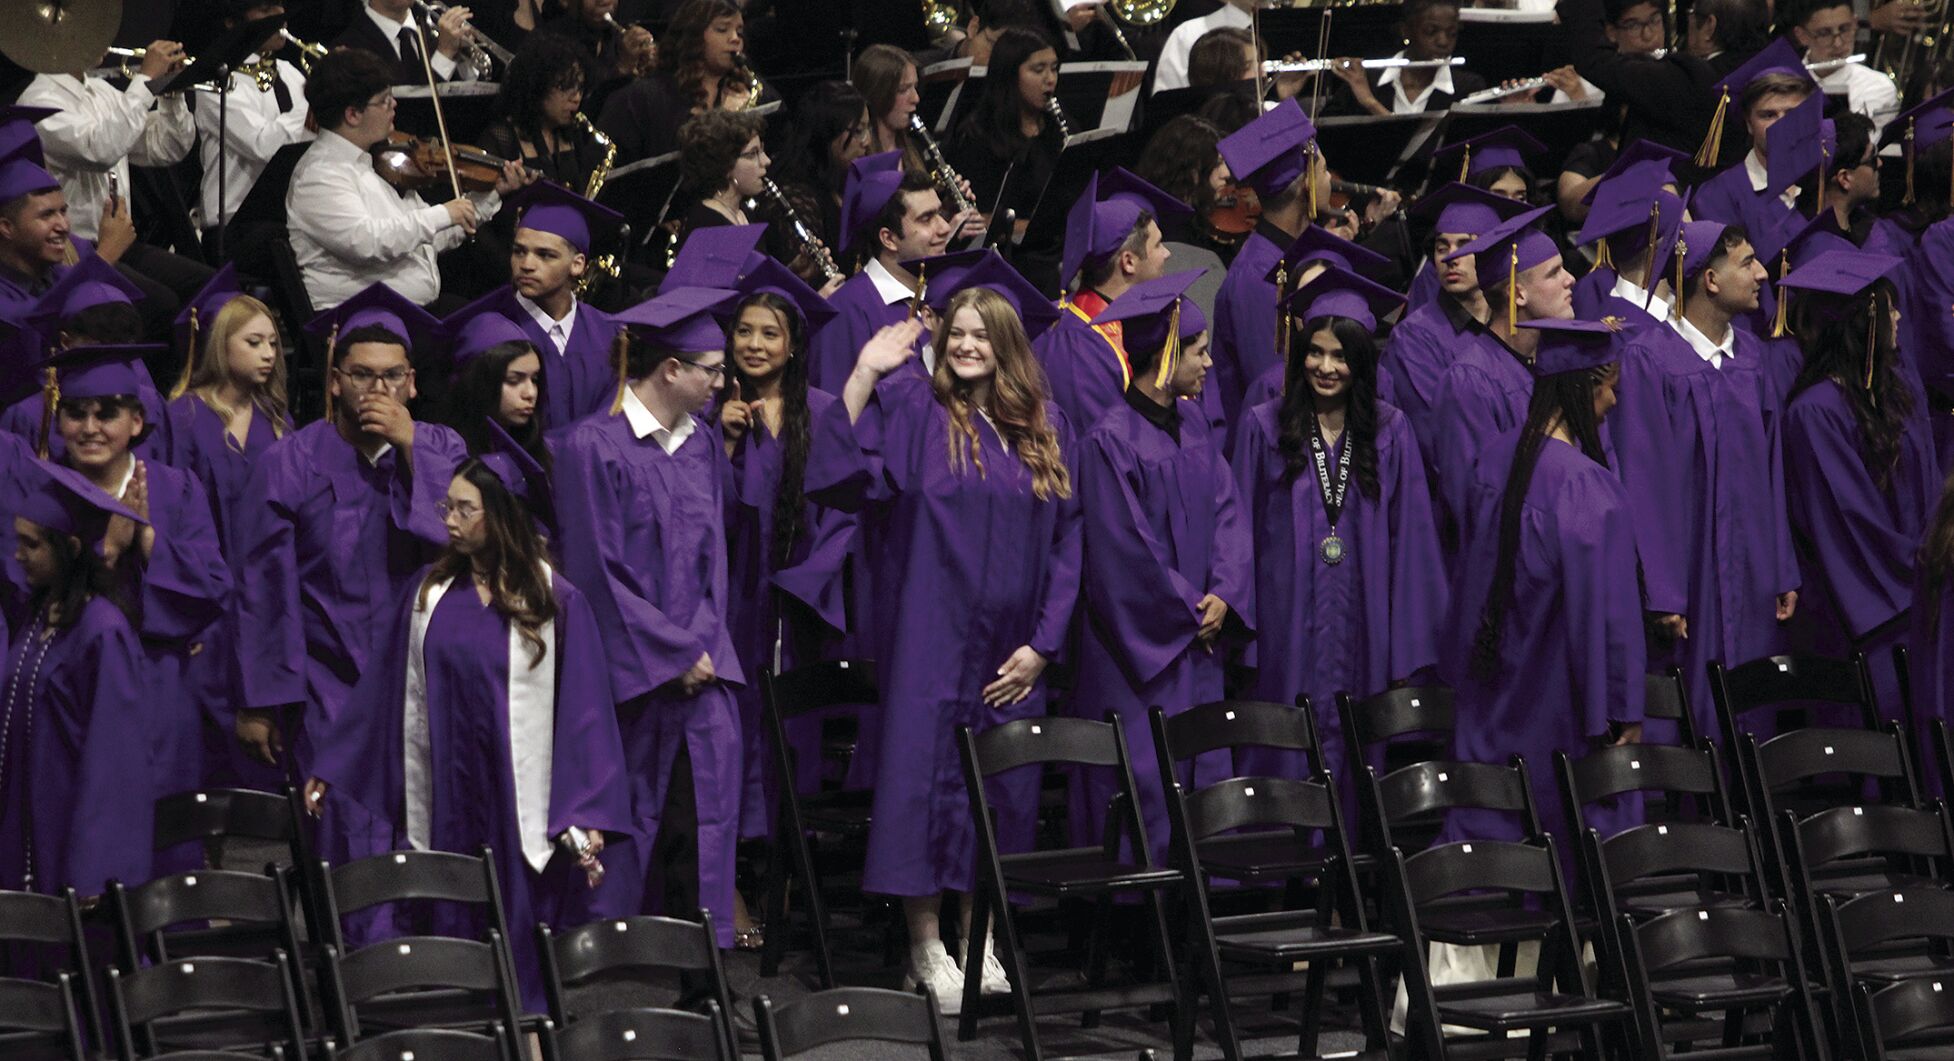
(621, 353)
(1907, 199)
(1465, 165)
(1872, 333)
(922, 286)
(1655, 235)
(189, 360)
(1170, 354)
(1513, 291)
(1682, 253)
(1819, 206)
(332, 341)
(1282, 312)
(1310, 160)
(1602, 258)
(50, 398)
(1706, 156)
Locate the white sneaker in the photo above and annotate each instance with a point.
(995, 981)
(931, 964)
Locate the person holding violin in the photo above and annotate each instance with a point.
(349, 226)
(701, 67)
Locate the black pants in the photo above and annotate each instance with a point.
(675, 851)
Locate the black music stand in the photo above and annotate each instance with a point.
(643, 192)
(1505, 46)
(1088, 90)
(938, 87)
(1354, 30)
(1037, 255)
(223, 56)
(1376, 149)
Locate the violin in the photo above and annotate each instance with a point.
(410, 163)
(1235, 213)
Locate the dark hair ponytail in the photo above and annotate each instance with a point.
(796, 431)
(1835, 348)
(1570, 397)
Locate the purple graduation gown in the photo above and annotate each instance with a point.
(803, 603)
(1353, 627)
(1856, 540)
(1087, 376)
(326, 543)
(1421, 348)
(1481, 396)
(831, 351)
(1697, 448)
(967, 568)
(643, 534)
(200, 445)
(1162, 529)
(471, 782)
(77, 767)
(1571, 659)
(1244, 323)
(1927, 326)
(581, 380)
(1727, 197)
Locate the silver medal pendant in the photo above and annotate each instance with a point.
(1333, 550)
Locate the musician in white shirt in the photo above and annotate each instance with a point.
(259, 117)
(349, 227)
(1171, 71)
(1827, 30)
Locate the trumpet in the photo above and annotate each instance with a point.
(131, 58)
(940, 170)
(1058, 116)
(1315, 66)
(476, 47)
(308, 53)
(811, 244)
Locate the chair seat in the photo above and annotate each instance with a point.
(1655, 904)
(1694, 994)
(1479, 925)
(1902, 967)
(836, 812)
(1084, 873)
(1299, 941)
(1258, 856)
(1852, 885)
(1527, 1009)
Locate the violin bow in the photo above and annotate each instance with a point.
(434, 95)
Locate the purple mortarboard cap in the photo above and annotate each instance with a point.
(1573, 346)
(1508, 145)
(17, 131)
(1935, 114)
(518, 470)
(1820, 234)
(1493, 252)
(1797, 143)
(90, 282)
(1317, 244)
(991, 271)
(1699, 241)
(62, 500)
(1839, 273)
(1338, 292)
(713, 257)
(770, 277)
(680, 319)
(1635, 153)
(1106, 214)
(1269, 153)
(474, 329)
(872, 180)
(21, 172)
(1623, 204)
(943, 272)
(1145, 310)
(102, 371)
(377, 306)
(1778, 57)
(202, 309)
(547, 206)
(1464, 209)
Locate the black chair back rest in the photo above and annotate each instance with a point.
(209, 894)
(202, 986)
(1617, 769)
(1424, 789)
(418, 962)
(1448, 869)
(1663, 699)
(1912, 1007)
(210, 813)
(1231, 724)
(643, 1034)
(1398, 713)
(819, 686)
(631, 944)
(1690, 935)
(43, 922)
(1881, 917)
(399, 875)
(41, 1007)
(1779, 680)
(1677, 847)
(1799, 755)
(1845, 832)
(848, 1014)
(1249, 802)
(427, 1044)
(1046, 739)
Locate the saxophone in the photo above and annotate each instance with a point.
(811, 244)
(596, 182)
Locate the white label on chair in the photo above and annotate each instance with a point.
(1037, 729)
(1702, 915)
(621, 927)
(1248, 790)
(1899, 898)
(1936, 985)
(841, 1010)
(1442, 776)
(1785, 667)
(1229, 715)
(1662, 830)
(843, 665)
(406, 948)
(188, 968)
(630, 1035)
(201, 798)
(1858, 812)
(1635, 764)
(189, 882)
(1467, 848)
(1414, 701)
(407, 1055)
(1828, 749)
(400, 860)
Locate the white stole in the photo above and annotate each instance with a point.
(532, 733)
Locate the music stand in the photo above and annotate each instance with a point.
(1510, 45)
(217, 62)
(1100, 95)
(643, 192)
(1375, 149)
(938, 87)
(1080, 158)
(1354, 30)
(468, 106)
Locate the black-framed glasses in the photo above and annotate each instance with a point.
(465, 511)
(362, 379)
(716, 370)
(1837, 33)
(1640, 25)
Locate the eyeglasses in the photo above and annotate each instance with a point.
(385, 99)
(361, 379)
(717, 370)
(1836, 33)
(463, 512)
(1639, 25)
(753, 154)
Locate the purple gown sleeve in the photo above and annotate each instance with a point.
(1144, 604)
(1465, 415)
(1231, 574)
(1418, 585)
(588, 787)
(1065, 567)
(1656, 475)
(419, 486)
(270, 663)
(185, 583)
(1604, 616)
(357, 749)
(645, 647)
(1841, 516)
(116, 786)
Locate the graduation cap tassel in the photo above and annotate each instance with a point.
(1872, 346)
(1781, 327)
(621, 353)
(1649, 271)
(922, 286)
(50, 397)
(1907, 200)
(1706, 156)
(1513, 291)
(1170, 354)
(189, 360)
(1682, 253)
(1602, 258)
(1282, 312)
(1465, 164)
(332, 340)
(1310, 180)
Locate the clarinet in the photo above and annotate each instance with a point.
(940, 169)
(811, 244)
(1058, 116)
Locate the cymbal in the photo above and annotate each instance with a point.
(58, 36)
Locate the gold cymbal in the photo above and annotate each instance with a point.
(58, 36)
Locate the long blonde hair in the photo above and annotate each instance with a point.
(211, 369)
(1018, 392)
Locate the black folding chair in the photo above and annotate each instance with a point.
(1752, 965)
(643, 1034)
(39, 1020)
(216, 814)
(208, 913)
(807, 692)
(428, 1044)
(1779, 683)
(41, 938)
(1884, 938)
(1096, 873)
(1232, 726)
(849, 1014)
(206, 1003)
(1910, 1020)
(1559, 995)
(1665, 699)
(609, 953)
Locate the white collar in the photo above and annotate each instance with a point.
(644, 423)
(1756, 170)
(335, 145)
(1630, 290)
(1713, 352)
(388, 26)
(543, 318)
(373, 460)
(1441, 81)
(887, 286)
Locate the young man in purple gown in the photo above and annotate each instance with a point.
(1759, 93)
(1636, 220)
(641, 502)
(338, 517)
(890, 217)
(556, 231)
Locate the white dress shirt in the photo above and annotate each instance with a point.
(558, 330)
(1760, 177)
(350, 228)
(1403, 104)
(102, 130)
(1631, 291)
(643, 422)
(254, 130)
(1867, 92)
(1172, 69)
(1713, 352)
(444, 67)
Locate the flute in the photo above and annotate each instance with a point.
(1826, 66)
(1312, 66)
